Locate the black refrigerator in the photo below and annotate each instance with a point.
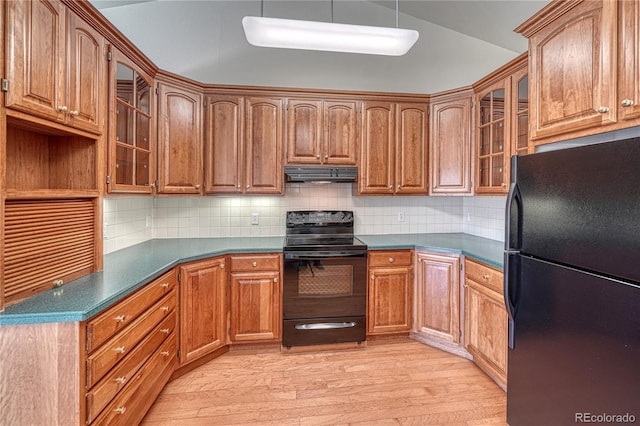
(572, 286)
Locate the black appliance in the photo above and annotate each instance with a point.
(322, 174)
(324, 281)
(572, 286)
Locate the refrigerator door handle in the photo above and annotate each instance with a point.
(513, 212)
(511, 290)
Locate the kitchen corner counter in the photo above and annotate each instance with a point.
(124, 272)
(128, 269)
(484, 250)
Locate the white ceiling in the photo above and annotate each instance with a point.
(460, 41)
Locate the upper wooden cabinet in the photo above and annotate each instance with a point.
(450, 143)
(501, 121)
(629, 62)
(394, 147)
(243, 145)
(322, 131)
(55, 64)
(131, 157)
(179, 138)
(573, 68)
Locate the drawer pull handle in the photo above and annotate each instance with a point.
(165, 285)
(120, 318)
(164, 353)
(165, 309)
(391, 260)
(485, 276)
(121, 379)
(603, 109)
(254, 264)
(120, 349)
(165, 331)
(120, 410)
(627, 103)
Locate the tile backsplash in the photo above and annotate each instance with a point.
(129, 221)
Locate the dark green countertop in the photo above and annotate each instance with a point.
(127, 270)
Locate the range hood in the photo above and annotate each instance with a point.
(320, 174)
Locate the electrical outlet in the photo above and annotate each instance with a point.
(400, 216)
(105, 234)
(255, 218)
(147, 222)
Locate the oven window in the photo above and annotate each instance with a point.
(318, 279)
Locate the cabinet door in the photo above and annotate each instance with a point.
(340, 131)
(35, 60)
(519, 114)
(304, 131)
(86, 75)
(450, 141)
(411, 174)
(224, 143)
(573, 71)
(179, 140)
(377, 158)
(493, 131)
(263, 139)
(390, 299)
(438, 296)
(629, 60)
(486, 329)
(202, 308)
(255, 306)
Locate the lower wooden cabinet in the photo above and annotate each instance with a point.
(389, 292)
(438, 296)
(203, 308)
(486, 320)
(256, 294)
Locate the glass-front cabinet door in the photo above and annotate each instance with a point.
(520, 108)
(491, 151)
(130, 137)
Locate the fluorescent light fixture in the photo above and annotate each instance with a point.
(311, 35)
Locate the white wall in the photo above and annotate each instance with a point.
(204, 41)
(202, 217)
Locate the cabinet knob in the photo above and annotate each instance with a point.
(391, 260)
(197, 186)
(63, 108)
(254, 264)
(603, 109)
(74, 113)
(373, 277)
(485, 276)
(317, 156)
(504, 185)
(398, 187)
(120, 318)
(165, 309)
(239, 186)
(222, 266)
(275, 280)
(390, 186)
(165, 331)
(627, 102)
(120, 410)
(326, 156)
(120, 379)
(164, 353)
(248, 186)
(120, 349)
(420, 260)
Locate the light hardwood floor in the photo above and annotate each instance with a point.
(400, 382)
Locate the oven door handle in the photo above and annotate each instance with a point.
(323, 254)
(325, 325)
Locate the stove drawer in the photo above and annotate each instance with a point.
(323, 331)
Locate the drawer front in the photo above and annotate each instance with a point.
(122, 374)
(108, 355)
(391, 258)
(483, 274)
(107, 324)
(128, 407)
(258, 262)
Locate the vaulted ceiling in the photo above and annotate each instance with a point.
(460, 41)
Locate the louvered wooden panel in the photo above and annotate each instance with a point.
(46, 241)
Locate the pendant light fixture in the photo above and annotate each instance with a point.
(328, 36)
